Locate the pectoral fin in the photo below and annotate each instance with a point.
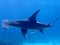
(24, 31)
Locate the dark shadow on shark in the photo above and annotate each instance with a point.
(30, 23)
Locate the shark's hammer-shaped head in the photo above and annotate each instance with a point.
(6, 24)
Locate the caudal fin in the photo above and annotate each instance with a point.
(51, 24)
(5, 24)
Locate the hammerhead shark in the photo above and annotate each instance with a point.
(30, 23)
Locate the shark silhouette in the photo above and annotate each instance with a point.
(30, 23)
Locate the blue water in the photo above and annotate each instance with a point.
(23, 9)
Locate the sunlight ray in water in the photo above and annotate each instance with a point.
(41, 43)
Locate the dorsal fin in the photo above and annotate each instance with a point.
(33, 17)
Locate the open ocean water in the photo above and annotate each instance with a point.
(23, 9)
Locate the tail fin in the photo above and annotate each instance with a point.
(51, 24)
(5, 23)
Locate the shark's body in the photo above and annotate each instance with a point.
(31, 23)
